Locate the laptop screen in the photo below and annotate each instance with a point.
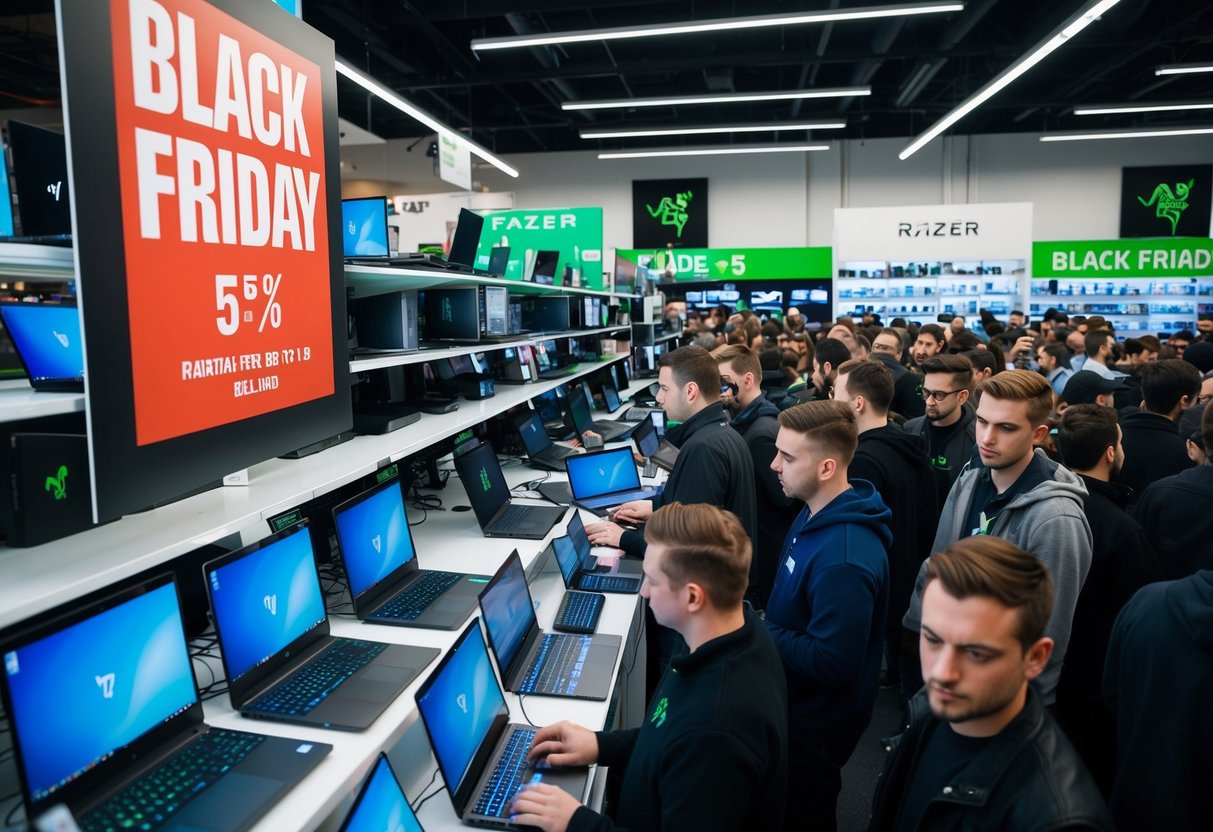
(6, 199)
(40, 172)
(548, 403)
(452, 314)
(364, 227)
(566, 558)
(467, 238)
(579, 409)
(499, 259)
(605, 472)
(508, 614)
(646, 438)
(381, 805)
(610, 398)
(534, 437)
(86, 691)
(459, 704)
(483, 482)
(47, 336)
(264, 600)
(373, 536)
(545, 267)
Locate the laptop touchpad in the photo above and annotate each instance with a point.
(228, 803)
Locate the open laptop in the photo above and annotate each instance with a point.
(544, 270)
(660, 451)
(546, 357)
(540, 450)
(579, 410)
(47, 339)
(104, 711)
(281, 663)
(381, 804)
(575, 531)
(490, 498)
(538, 663)
(576, 578)
(602, 480)
(386, 584)
(499, 260)
(40, 174)
(364, 227)
(481, 754)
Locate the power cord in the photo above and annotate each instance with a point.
(441, 788)
(525, 715)
(421, 800)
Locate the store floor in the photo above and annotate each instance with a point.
(859, 775)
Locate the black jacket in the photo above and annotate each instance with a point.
(758, 425)
(1029, 779)
(711, 753)
(949, 461)
(895, 462)
(1177, 514)
(1153, 450)
(906, 398)
(775, 384)
(1159, 683)
(713, 467)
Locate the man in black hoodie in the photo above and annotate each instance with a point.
(757, 420)
(887, 349)
(893, 461)
(1153, 447)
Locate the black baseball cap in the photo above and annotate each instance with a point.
(1085, 385)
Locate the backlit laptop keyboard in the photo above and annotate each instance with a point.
(311, 684)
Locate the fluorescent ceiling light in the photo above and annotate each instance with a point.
(422, 116)
(1183, 69)
(1128, 133)
(1157, 107)
(709, 98)
(713, 151)
(695, 27)
(1075, 24)
(703, 131)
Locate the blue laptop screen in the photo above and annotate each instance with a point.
(87, 691)
(591, 475)
(364, 227)
(47, 337)
(6, 199)
(265, 600)
(382, 805)
(508, 614)
(374, 537)
(459, 706)
(566, 558)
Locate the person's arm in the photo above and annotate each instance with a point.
(632, 542)
(830, 650)
(1063, 544)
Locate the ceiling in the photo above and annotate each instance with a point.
(918, 67)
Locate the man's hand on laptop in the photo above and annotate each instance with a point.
(544, 806)
(604, 534)
(564, 744)
(633, 513)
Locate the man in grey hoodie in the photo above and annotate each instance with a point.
(1022, 496)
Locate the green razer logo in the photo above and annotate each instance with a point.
(672, 211)
(940, 461)
(659, 713)
(1168, 205)
(484, 479)
(58, 484)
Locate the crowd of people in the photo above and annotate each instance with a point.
(1009, 523)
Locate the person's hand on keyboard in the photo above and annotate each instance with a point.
(564, 744)
(604, 534)
(633, 513)
(543, 806)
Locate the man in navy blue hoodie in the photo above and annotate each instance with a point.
(827, 609)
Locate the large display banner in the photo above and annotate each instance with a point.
(1166, 201)
(203, 156)
(1182, 257)
(978, 231)
(574, 232)
(732, 263)
(670, 212)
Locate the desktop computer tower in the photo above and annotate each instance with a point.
(387, 321)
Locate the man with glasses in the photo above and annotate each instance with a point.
(948, 424)
(887, 349)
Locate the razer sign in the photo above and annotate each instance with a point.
(669, 212)
(1167, 201)
(1184, 257)
(574, 232)
(732, 263)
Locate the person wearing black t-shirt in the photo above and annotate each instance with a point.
(948, 426)
(981, 751)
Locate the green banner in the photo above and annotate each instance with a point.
(735, 263)
(1152, 257)
(574, 232)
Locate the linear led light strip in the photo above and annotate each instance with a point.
(1130, 133)
(1084, 18)
(755, 22)
(713, 151)
(727, 98)
(701, 131)
(422, 116)
(1157, 107)
(1183, 69)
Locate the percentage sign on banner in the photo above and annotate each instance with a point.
(273, 309)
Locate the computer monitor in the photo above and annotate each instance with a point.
(452, 315)
(766, 300)
(364, 227)
(40, 173)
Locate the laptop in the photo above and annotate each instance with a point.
(544, 270)
(103, 707)
(386, 584)
(545, 356)
(575, 531)
(540, 450)
(490, 499)
(281, 663)
(579, 410)
(466, 240)
(364, 227)
(40, 174)
(381, 804)
(538, 663)
(499, 260)
(46, 337)
(660, 451)
(481, 754)
(575, 577)
(602, 480)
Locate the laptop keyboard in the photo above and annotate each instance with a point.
(153, 799)
(412, 602)
(507, 775)
(557, 667)
(579, 612)
(513, 518)
(608, 583)
(311, 684)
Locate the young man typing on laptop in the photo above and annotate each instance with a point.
(711, 753)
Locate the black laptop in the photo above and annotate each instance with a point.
(499, 260)
(490, 498)
(386, 584)
(540, 450)
(575, 576)
(281, 663)
(538, 663)
(40, 174)
(481, 754)
(602, 480)
(46, 337)
(649, 445)
(106, 720)
(579, 410)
